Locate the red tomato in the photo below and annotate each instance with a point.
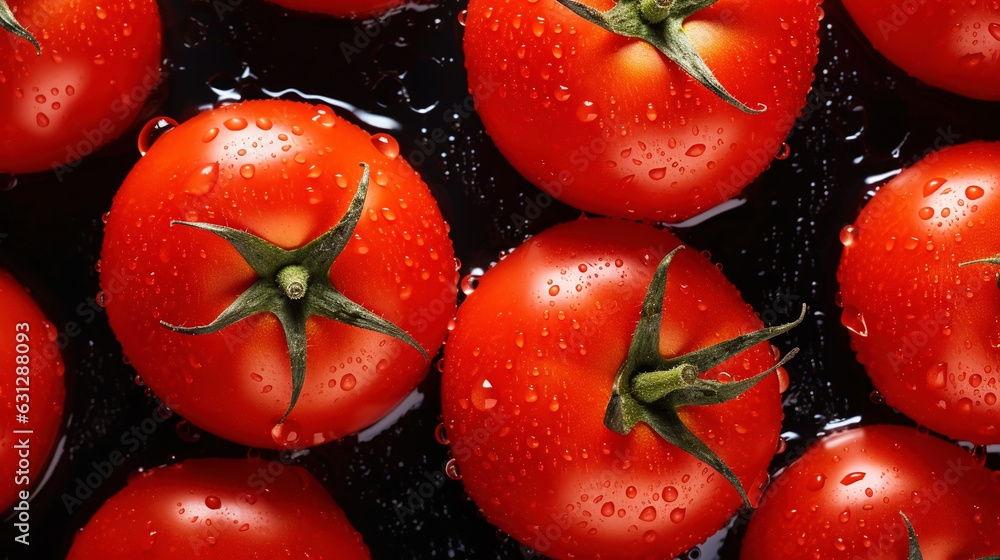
(32, 387)
(949, 44)
(220, 509)
(98, 64)
(842, 501)
(608, 124)
(285, 172)
(341, 8)
(528, 373)
(925, 327)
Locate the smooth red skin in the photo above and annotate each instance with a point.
(605, 165)
(938, 42)
(955, 514)
(341, 8)
(164, 514)
(46, 388)
(528, 491)
(152, 271)
(111, 65)
(920, 308)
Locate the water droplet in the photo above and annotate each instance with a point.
(484, 396)
(669, 494)
(926, 213)
(213, 502)
(586, 111)
(844, 516)
(937, 375)
(658, 173)
(876, 397)
(348, 382)
(677, 515)
(247, 171)
(974, 192)
(462, 16)
(965, 405)
(386, 144)
(202, 180)
(441, 435)
(648, 514)
(42, 120)
(235, 123)
(816, 482)
(783, 152)
(848, 235)
(451, 469)
(631, 492)
(187, 432)
(695, 150)
(562, 93)
(854, 320)
(287, 433)
(152, 131)
(554, 290)
(851, 478)
(971, 60)
(933, 185)
(608, 509)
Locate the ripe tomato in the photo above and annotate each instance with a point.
(99, 62)
(341, 8)
(32, 388)
(529, 371)
(220, 509)
(280, 174)
(924, 326)
(950, 45)
(843, 498)
(608, 124)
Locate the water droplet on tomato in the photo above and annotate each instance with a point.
(287, 433)
(202, 180)
(247, 171)
(235, 123)
(451, 469)
(608, 509)
(210, 135)
(974, 192)
(348, 382)
(926, 213)
(484, 396)
(187, 432)
(586, 111)
(965, 405)
(386, 144)
(971, 60)
(937, 375)
(462, 16)
(930, 187)
(648, 514)
(669, 494)
(677, 515)
(213, 502)
(631, 492)
(848, 235)
(695, 150)
(658, 173)
(152, 131)
(554, 290)
(854, 320)
(783, 152)
(876, 397)
(851, 478)
(42, 120)
(816, 482)
(441, 435)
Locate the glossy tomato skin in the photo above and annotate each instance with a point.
(611, 126)
(926, 329)
(100, 61)
(285, 172)
(220, 509)
(841, 501)
(341, 8)
(28, 342)
(948, 44)
(528, 374)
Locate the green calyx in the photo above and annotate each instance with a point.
(993, 260)
(9, 23)
(650, 388)
(295, 285)
(661, 24)
(915, 553)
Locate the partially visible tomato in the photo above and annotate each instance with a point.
(32, 390)
(99, 63)
(950, 44)
(925, 327)
(529, 371)
(283, 173)
(220, 509)
(842, 501)
(608, 124)
(341, 8)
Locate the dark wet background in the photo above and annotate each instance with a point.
(865, 118)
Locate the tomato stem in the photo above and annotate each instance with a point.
(992, 260)
(650, 388)
(293, 281)
(294, 286)
(9, 23)
(661, 24)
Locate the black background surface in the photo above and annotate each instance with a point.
(865, 118)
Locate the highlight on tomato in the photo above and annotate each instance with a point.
(277, 275)
(641, 109)
(220, 509)
(918, 284)
(879, 491)
(33, 389)
(73, 77)
(951, 45)
(607, 394)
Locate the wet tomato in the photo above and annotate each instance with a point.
(922, 316)
(266, 285)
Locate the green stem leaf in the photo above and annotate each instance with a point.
(9, 23)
